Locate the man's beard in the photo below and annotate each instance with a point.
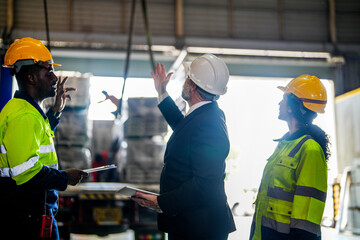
(185, 94)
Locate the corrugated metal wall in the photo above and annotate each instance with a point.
(348, 21)
(299, 20)
(281, 21)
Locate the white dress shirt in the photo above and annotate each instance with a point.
(192, 108)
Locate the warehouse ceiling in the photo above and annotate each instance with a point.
(92, 35)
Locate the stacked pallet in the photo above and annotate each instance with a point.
(144, 131)
(74, 133)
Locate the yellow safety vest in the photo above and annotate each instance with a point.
(293, 188)
(26, 141)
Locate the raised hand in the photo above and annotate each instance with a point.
(61, 95)
(160, 78)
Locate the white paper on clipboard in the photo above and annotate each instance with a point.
(130, 191)
(102, 168)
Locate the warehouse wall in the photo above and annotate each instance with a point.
(290, 20)
(257, 24)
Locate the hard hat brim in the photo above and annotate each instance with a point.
(282, 88)
(56, 64)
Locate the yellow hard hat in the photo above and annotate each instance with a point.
(309, 90)
(29, 49)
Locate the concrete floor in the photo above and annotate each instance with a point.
(242, 233)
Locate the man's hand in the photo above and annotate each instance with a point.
(146, 200)
(75, 176)
(61, 96)
(160, 78)
(112, 98)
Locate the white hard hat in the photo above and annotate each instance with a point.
(210, 73)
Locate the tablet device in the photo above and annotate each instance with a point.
(130, 191)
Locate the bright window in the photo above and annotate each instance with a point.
(134, 87)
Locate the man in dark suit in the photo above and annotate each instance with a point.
(192, 203)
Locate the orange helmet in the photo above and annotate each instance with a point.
(309, 90)
(27, 51)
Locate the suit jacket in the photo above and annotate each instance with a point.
(192, 195)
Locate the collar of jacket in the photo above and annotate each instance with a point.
(295, 135)
(195, 113)
(26, 97)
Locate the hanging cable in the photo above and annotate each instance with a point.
(148, 34)
(127, 61)
(47, 25)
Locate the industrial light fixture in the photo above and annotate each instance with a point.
(259, 52)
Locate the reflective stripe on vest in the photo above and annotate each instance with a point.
(7, 172)
(54, 166)
(47, 148)
(294, 223)
(278, 226)
(310, 192)
(2, 149)
(43, 148)
(279, 193)
(20, 168)
(305, 225)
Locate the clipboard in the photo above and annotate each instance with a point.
(102, 168)
(130, 191)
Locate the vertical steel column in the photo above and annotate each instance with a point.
(5, 85)
(5, 76)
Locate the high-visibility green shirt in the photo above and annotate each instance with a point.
(293, 188)
(26, 141)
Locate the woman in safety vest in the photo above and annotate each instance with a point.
(291, 197)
